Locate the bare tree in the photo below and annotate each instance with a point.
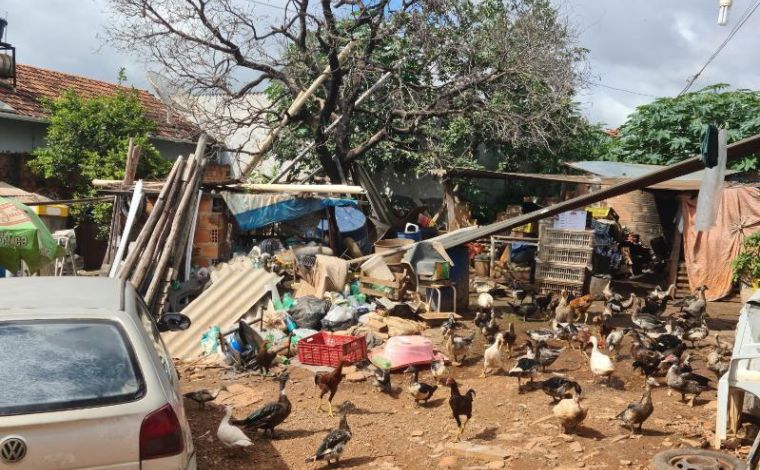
(512, 63)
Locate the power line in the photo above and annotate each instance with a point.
(742, 20)
(599, 84)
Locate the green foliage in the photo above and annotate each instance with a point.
(88, 138)
(522, 115)
(669, 130)
(746, 265)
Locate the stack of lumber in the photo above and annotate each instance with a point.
(154, 258)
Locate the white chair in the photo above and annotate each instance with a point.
(744, 370)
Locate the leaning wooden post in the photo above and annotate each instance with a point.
(147, 230)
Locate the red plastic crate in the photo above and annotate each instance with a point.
(325, 349)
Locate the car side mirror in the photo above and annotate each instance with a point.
(173, 322)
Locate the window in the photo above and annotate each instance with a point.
(60, 365)
(150, 326)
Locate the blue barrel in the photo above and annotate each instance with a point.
(460, 275)
(351, 223)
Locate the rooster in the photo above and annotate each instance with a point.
(461, 405)
(328, 382)
(580, 306)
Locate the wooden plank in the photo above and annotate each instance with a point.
(439, 316)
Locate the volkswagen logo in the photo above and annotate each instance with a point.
(12, 450)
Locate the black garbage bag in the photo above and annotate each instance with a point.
(309, 311)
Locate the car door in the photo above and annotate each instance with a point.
(169, 375)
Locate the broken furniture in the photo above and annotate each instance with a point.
(743, 373)
(394, 290)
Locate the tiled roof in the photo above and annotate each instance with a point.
(33, 84)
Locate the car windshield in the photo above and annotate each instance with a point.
(61, 365)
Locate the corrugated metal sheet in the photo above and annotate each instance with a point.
(236, 288)
(630, 170)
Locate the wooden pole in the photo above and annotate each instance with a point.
(147, 229)
(156, 234)
(174, 241)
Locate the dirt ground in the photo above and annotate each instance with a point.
(391, 433)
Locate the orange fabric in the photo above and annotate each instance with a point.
(708, 254)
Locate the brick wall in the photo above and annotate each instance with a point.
(14, 170)
(210, 239)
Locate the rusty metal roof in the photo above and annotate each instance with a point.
(237, 287)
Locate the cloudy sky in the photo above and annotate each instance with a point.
(648, 47)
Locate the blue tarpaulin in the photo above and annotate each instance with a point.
(254, 211)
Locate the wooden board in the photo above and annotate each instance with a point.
(432, 317)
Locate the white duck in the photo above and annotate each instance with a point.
(492, 356)
(229, 435)
(600, 363)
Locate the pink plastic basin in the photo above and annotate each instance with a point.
(407, 350)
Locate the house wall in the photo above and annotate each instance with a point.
(20, 137)
(211, 238)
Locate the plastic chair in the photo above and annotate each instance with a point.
(743, 374)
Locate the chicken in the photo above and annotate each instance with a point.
(509, 337)
(492, 356)
(526, 311)
(270, 415)
(420, 391)
(451, 324)
(609, 294)
(525, 366)
(542, 301)
(335, 442)
(204, 395)
(328, 382)
(481, 320)
(439, 370)
(638, 412)
(562, 312)
(579, 307)
(569, 412)
(485, 303)
(685, 383)
(382, 380)
(490, 330)
(518, 292)
(458, 346)
(229, 435)
(559, 387)
(461, 405)
(599, 363)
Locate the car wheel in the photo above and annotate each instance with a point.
(695, 459)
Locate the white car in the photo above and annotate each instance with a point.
(85, 380)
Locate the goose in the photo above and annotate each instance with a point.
(540, 334)
(697, 333)
(204, 395)
(609, 294)
(547, 355)
(230, 435)
(698, 307)
(645, 321)
(558, 387)
(525, 366)
(719, 359)
(685, 383)
(638, 412)
(599, 363)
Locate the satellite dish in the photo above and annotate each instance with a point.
(168, 92)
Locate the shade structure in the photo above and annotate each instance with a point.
(23, 237)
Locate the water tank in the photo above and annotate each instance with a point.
(6, 66)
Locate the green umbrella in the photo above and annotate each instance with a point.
(23, 236)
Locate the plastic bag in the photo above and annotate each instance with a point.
(339, 317)
(309, 311)
(210, 340)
